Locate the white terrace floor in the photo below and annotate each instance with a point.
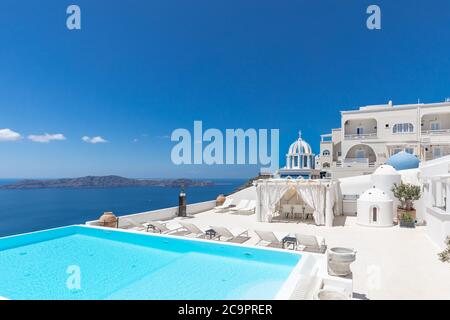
(392, 263)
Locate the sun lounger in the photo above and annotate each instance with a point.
(311, 243)
(160, 227)
(135, 225)
(249, 209)
(193, 230)
(241, 205)
(225, 206)
(268, 239)
(235, 235)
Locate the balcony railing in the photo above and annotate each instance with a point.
(430, 156)
(357, 136)
(355, 163)
(436, 132)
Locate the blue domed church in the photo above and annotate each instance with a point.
(300, 161)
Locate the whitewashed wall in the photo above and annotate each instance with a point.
(164, 214)
(438, 221)
(438, 226)
(245, 194)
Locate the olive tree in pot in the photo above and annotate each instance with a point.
(406, 193)
(444, 256)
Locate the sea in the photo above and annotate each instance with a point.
(29, 210)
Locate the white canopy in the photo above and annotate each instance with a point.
(320, 195)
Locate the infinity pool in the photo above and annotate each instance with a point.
(80, 262)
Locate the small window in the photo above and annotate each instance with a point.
(326, 152)
(359, 131)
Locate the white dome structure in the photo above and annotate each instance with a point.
(300, 147)
(384, 179)
(300, 155)
(300, 161)
(375, 209)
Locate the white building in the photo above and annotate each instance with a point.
(370, 135)
(435, 204)
(375, 209)
(300, 161)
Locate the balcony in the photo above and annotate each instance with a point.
(436, 132)
(362, 136)
(435, 124)
(360, 129)
(355, 163)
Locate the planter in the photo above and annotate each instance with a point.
(330, 295)
(401, 212)
(339, 260)
(108, 219)
(220, 200)
(407, 224)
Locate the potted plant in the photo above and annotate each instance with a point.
(444, 256)
(406, 193)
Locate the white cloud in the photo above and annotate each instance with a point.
(9, 135)
(46, 138)
(94, 140)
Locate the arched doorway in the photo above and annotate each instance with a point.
(374, 215)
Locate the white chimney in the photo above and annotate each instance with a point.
(390, 104)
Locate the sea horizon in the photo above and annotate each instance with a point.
(27, 210)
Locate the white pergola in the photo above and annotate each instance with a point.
(323, 196)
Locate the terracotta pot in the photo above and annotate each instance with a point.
(220, 200)
(108, 219)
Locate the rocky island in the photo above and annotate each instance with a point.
(105, 182)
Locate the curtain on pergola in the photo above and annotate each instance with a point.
(313, 194)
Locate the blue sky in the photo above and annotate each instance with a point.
(140, 69)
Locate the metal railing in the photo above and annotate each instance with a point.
(357, 136)
(355, 163)
(436, 132)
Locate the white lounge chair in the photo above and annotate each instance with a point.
(160, 227)
(235, 235)
(225, 206)
(311, 243)
(193, 230)
(268, 239)
(249, 209)
(241, 205)
(135, 225)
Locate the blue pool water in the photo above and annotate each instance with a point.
(121, 265)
